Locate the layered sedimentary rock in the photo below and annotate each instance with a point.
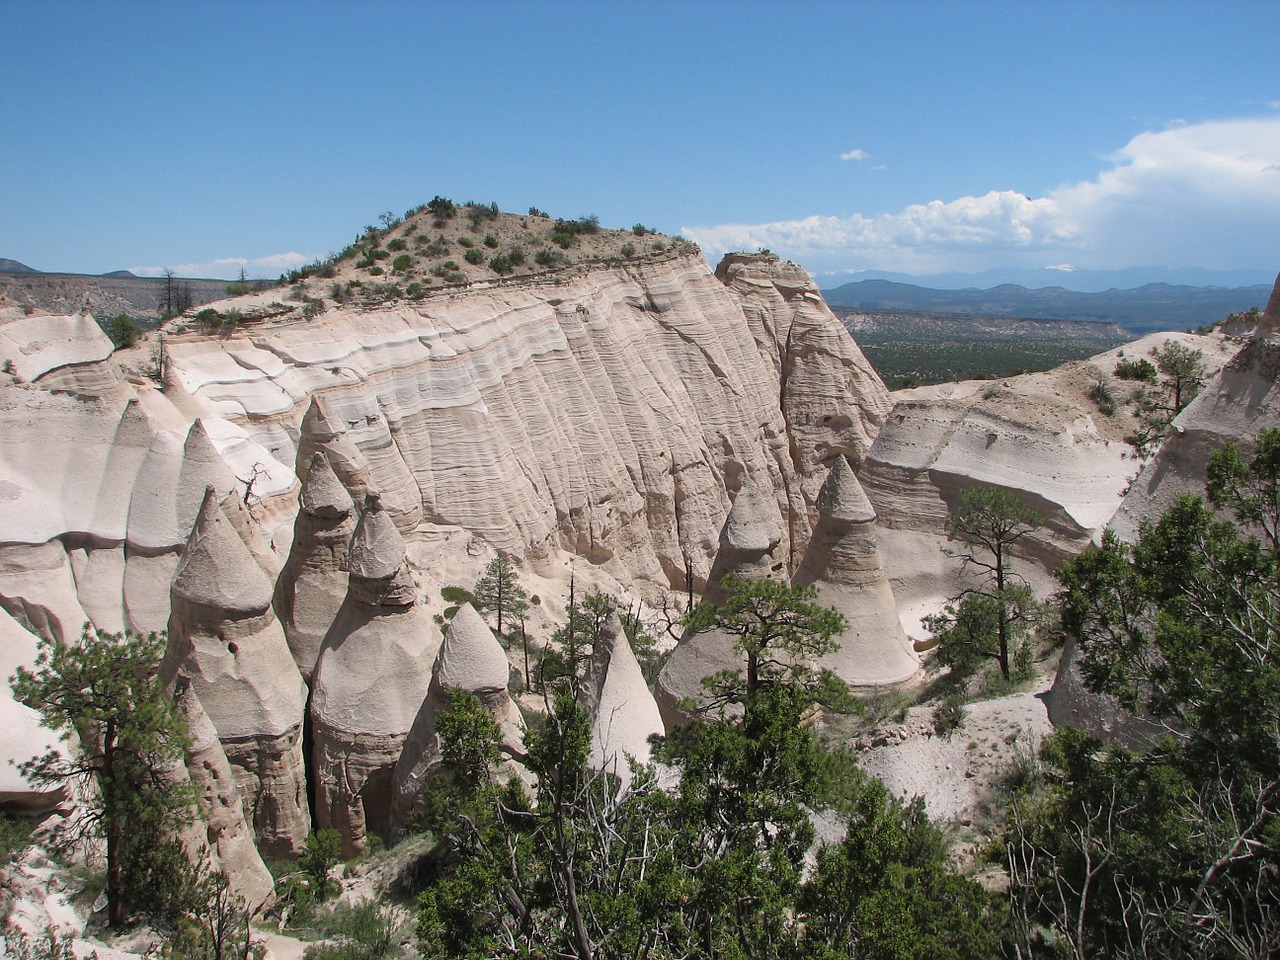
(470, 660)
(605, 412)
(313, 583)
(751, 547)
(843, 562)
(225, 639)
(221, 831)
(59, 352)
(370, 679)
(624, 713)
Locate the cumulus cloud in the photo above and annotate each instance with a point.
(1204, 195)
(228, 268)
(855, 155)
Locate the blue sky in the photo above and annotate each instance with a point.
(912, 136)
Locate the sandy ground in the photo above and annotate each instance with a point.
(953, 772)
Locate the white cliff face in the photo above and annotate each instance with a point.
(605, 414)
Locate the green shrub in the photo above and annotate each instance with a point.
(458, 595)
(466, 241)
(1101, 396)
(562, 239)
(441, 210)
(401, 263)
(1143, 370)
(416, 291)
(379, 254)
(490, 241)
(209, 315)
(948, 715)
(535, 212)
(451, 265)
(544, 258)
(640, 230)
(375, 271)
(396, 244)
(473, 255)
(628, 249)
(501, 264)
(515, 256)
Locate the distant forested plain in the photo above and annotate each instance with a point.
(915, 349)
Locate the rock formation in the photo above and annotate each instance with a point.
(370, 679)
(323, 432)
(225, 639)
(842, 561)
(470, 660)
(222, 834)
(313, 583)
(624, 713)
(24, 737)
(751, 540)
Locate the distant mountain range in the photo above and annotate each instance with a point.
(1153, 306)
(104, 295)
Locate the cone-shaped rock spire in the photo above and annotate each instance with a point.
(843, 562)
(313, 583)
(225, 639)
(370, 679)
(624, 713)
(750, 550)
(248, 530)
(323, 430)
(472, 660)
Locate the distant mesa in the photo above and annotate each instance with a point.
(13, 266)
(123, 274)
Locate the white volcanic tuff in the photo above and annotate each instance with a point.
(225, 639)
(37, 344)
(621, 397)
(222, 833)
(24, 737)
(471, 660)
(370, 679)
(1235, 405)
(313, 584)
(842, 561)
(624, 713)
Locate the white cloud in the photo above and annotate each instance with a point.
(855, 155)
(228, 268)
(1204, 195)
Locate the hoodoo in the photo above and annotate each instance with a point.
(750, 548)
(313, 584)
(624, 713)
(225, 639)
(471, 660)
(370, 679)
(843, 562)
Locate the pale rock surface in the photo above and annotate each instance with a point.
(313, 584)
(842, 561)
(371, 677)
(225, 639)
(24, 737)
(1236, 403)
(581, 414)
(221, 831)
(36, 345)
(472, 660)
(751, 544)
(624, 713)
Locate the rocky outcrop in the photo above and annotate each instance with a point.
(313, 584)
(624, 714)
(224, 639)
(751, 546)
(59, 352)
(605, 413)
(470, 660)
(221, 832)
(842, 562)
(371, 677)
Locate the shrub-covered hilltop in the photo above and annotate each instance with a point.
(445, 244)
